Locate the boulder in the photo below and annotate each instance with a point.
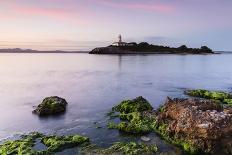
(50, 106)
(198, 125)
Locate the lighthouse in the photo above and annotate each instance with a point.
(120, 42)
(119, 38)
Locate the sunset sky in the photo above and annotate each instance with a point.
(84, 24)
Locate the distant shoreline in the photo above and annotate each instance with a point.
(18, 50)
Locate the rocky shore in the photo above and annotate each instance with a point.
(200, 125)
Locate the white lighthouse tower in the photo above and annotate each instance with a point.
(119, 38)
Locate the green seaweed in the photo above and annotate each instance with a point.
(133, 123)
(125, 148)
(130, 148)
(59, 143)
(53, 143)
(223, 97)
(138, 104)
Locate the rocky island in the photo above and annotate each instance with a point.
(121, 47)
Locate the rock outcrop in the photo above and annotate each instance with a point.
(50, 106)
(197, 125)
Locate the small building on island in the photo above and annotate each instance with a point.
(121, 43)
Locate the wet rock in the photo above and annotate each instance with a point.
(197, 125)
(50, 106)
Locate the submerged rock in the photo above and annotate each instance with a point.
(122, 148)
(196, 125)
(52, 144)
(223, 97)
(51, 105)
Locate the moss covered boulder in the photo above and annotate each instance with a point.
(223, 97)
(50, 106)
(52, 144)
(197, 125)
(138, 104)
(131, 115)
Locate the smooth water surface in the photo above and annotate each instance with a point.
(92, 84)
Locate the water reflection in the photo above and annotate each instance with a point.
(92, 84)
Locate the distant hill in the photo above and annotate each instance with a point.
(19, 50)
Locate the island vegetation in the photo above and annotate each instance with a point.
(146, 48)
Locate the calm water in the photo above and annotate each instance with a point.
(92, 84)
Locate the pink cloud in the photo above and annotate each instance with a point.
(73, 16)
(57, 13)
(156, 7)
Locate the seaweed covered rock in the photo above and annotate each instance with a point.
(53, 144)
(196, 125)
(21, 146)
(224, 97)
(59, 143)
(123, 148)
(131, 116)
(138, 104)
(50, 106)
(134, 123)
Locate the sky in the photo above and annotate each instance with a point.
(85, 24)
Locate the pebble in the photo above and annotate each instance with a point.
(145, 139)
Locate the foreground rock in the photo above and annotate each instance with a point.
(196, 125)
(50, 106)
(52, 144)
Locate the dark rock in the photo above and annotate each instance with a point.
(50, 106)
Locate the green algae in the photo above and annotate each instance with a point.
(125, 148)
(131, 148)
(223, 97)
(59, 143)
(161, 128)
(138, 104)
(26, 144)
(134, 121)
